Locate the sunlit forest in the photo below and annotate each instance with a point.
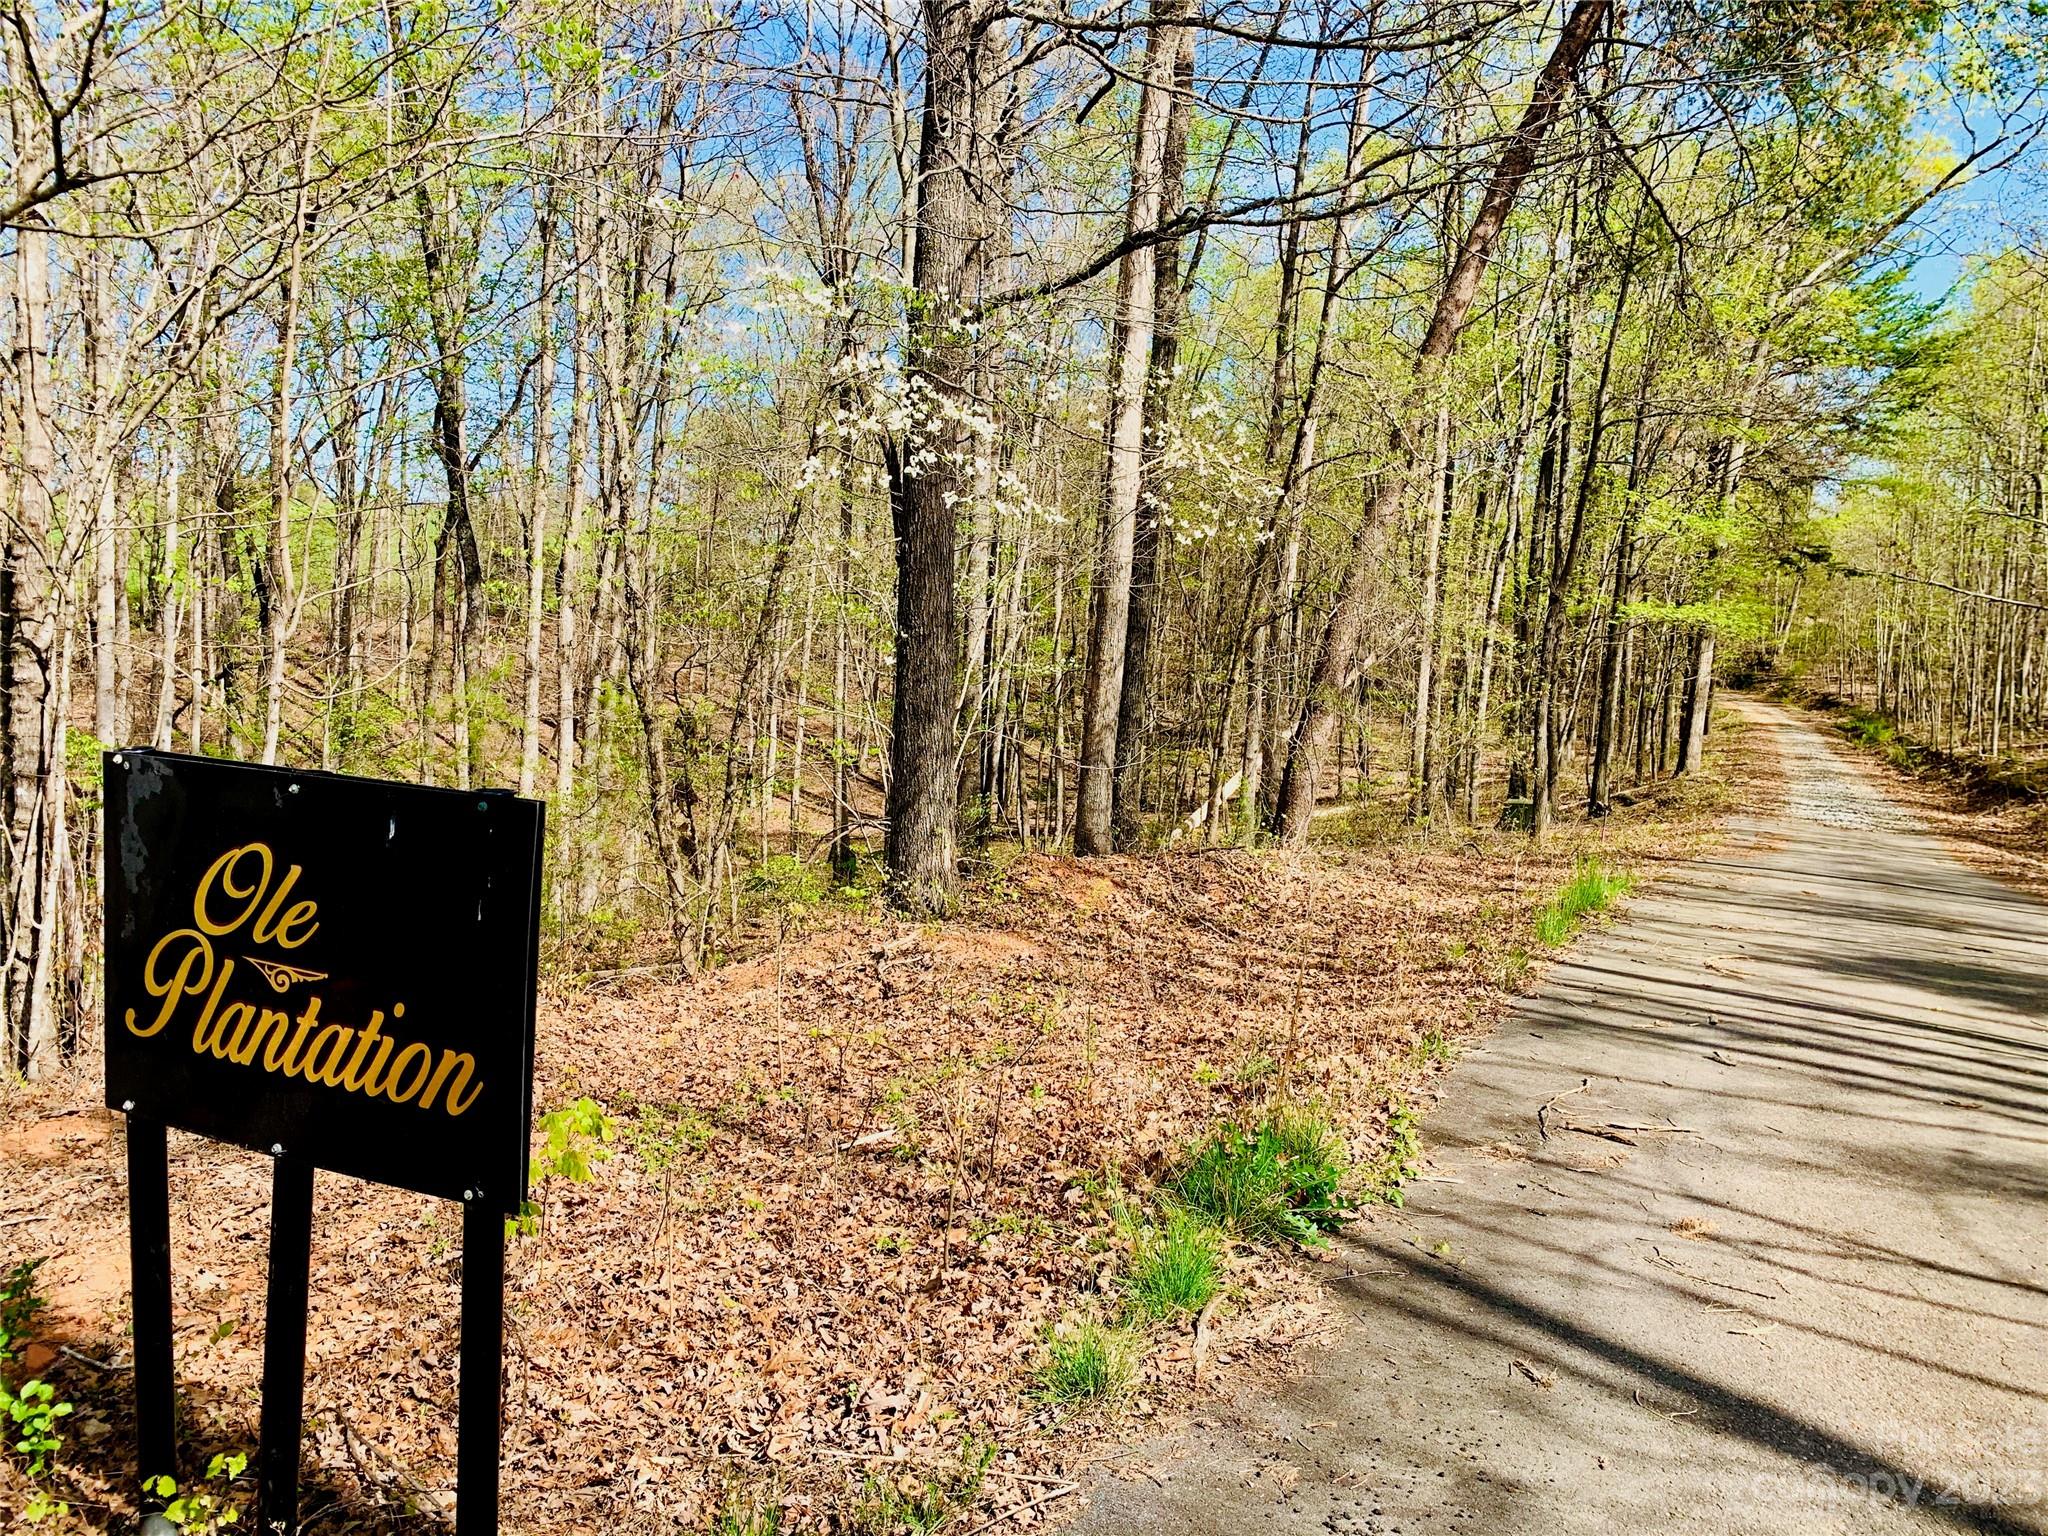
(811, 446)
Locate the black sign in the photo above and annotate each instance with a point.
(334, 969)
(338, 972)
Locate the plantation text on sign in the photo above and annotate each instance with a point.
(332, 968)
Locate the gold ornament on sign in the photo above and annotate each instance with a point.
(283, 978)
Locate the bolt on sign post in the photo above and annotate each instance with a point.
(337, 972)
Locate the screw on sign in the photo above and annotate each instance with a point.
(338, 972)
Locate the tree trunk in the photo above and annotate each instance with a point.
(1699, 696)
(845, 864)
(455, 547)
(1488, 646)
(1420, 746)
(1276, 555)
(168, 610)
(108, 631)
(1130, 365)
(28, 650)
(1149, 546)
(1563, 563)
(1607, 719)
(1607, 724)
(537, 499)
(568, 654)
(929, 470)
(278, 626)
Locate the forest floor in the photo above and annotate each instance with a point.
(1735, 1230)
(851, 1183)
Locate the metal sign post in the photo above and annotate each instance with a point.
(338, 972)
(149, 1262)
(481, 1386)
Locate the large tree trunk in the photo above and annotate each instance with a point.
(931, 469)
(1130, 366)
(1336, 669)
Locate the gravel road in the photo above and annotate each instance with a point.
(1814, 1300)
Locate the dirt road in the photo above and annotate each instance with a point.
(1814, 1300)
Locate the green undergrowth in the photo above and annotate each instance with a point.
(785, 886)
(1399, 1158)
(1981, 776)
(1869, 728)
(1281, 1181)
(579, 1136)
(747, 1512)
(1087, 1361)
(917, 1500)
(30, 1410)
(1176, 1266)
(208, 1508)
(920, 1503)
(1432, 1048)
(1592, 888)
(31, 1414)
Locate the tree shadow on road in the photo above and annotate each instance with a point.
(1470, 1306)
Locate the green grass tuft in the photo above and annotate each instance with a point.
(1280, 1183)
(1087, 1362)
(1175, 1267)
(1592, 888)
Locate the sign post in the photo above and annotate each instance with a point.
(337, 972)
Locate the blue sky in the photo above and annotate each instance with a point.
(1973, 220)
(1984, 215)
